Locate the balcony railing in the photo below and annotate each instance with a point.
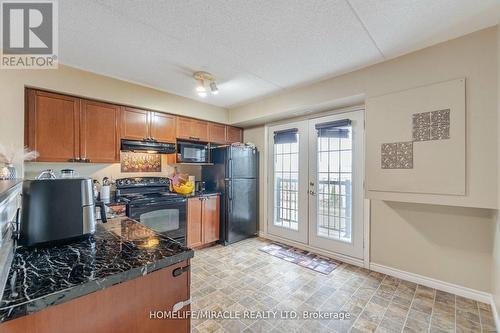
(334, 205)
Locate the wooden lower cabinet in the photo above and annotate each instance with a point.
(211, 219)
(194, 223)
(125, 307)
(203, 222)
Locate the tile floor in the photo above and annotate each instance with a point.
(240, 277)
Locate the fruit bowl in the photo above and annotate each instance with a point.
(186, 188)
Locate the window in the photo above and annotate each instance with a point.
(286, 178)
(334, 180)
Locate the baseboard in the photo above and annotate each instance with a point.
(495, 313)
(477, 295)
(336, 256)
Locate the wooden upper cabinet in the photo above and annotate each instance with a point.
(192, 129)
(194, 222)
(162, 127)
(135, 124)
(211, 218)
(216, 133)
(99, 132)
(52, 126)
(234, 134)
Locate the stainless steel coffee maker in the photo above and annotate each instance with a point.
(57, 210)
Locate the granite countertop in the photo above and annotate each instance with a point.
(6, 186)
(120, 250)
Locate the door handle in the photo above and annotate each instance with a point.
(311, 192)
(179, 305)
(180, 270)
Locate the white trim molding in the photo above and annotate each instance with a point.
(366, 232)
(496, 316)
(476, 295)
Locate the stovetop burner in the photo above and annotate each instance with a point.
(145, 189)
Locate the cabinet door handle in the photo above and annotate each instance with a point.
(180, 270)
(178, 306)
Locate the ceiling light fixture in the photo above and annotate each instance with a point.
(213, 88)
(200, 86)
(203, 79)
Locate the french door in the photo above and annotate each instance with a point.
(288, 182)
(316, 182)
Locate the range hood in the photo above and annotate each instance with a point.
(148, 146)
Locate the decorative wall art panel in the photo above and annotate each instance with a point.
(434, 125)
(441, 132)
(421, 126)
(415, 141)
(140, 162)
(397, 155)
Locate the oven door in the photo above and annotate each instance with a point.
(190, 152)
(166, 217)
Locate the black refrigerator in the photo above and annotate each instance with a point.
(235, 173)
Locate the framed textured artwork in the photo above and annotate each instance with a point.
(434, 125)
(140, 162)
(415, 141)
(421, 126)
(397, 155)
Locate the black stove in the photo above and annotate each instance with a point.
(149, 201)
(144, 189)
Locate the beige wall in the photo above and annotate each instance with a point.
(496, 250)
(85, 84)
(472, 56)
(112, 171)
(452, 244)
(257, 136)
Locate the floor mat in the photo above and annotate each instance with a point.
(301, 257)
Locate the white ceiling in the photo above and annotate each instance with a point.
(254, 47)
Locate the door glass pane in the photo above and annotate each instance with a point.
(286, 179)
(334, 181)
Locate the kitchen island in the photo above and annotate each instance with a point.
(111, 281)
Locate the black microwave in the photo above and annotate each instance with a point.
(192, 152)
